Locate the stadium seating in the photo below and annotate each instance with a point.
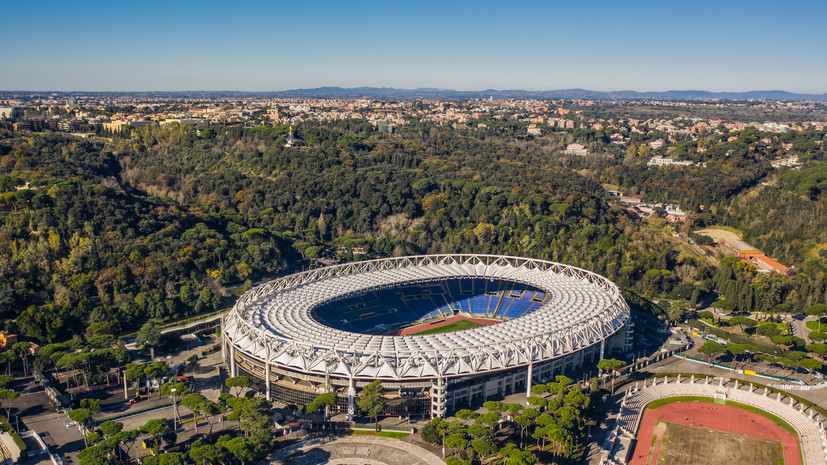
(321, 311)
(380, 311)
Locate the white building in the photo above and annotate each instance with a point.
(661, 161)
(791, 162)
(576, 149)
(656, 144)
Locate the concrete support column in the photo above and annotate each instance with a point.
(223, 342)
(528, 380)
(351, 399)
(602, 348)
(232, 362)
(438, 401)
(267, 373)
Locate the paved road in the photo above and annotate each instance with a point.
(799, 327)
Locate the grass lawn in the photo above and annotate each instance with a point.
(814, 326)
(455, 326)
(387, 434)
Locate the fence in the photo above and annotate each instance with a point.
(748, 372)
(372, 427)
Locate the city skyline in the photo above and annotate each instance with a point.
(646, 46)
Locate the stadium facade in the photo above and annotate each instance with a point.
(338, 328)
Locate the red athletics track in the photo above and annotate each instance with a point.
(436, 324)
(718, 417)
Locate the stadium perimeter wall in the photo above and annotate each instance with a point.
(530, 359)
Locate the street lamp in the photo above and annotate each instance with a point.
(174, 408)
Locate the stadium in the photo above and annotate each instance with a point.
(442, 332)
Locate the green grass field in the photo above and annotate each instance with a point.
(455, 326)
(815, 326)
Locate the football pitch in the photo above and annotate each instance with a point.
(453, 326)
(692, 445)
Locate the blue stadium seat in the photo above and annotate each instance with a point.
(389, 309)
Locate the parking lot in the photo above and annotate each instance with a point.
(35, 413)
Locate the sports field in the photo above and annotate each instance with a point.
(452, 323)
(700, 433)
(691, 445)
(454, 326)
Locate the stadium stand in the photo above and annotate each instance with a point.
(379, 311)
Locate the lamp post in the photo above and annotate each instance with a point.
(174, 409)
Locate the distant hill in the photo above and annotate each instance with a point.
(389, 92)
(431, 93)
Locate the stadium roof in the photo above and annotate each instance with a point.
(274, 321)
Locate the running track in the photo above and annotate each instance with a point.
(718, 417)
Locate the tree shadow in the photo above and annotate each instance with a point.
(308, 457)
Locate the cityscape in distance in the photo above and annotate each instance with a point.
(409, 234)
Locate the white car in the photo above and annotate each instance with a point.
(69, 425)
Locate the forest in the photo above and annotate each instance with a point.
(165, 222)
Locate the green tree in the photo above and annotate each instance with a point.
(22, 349)
(611, 366)
(156, 428)
(7, 357)
(255, 421)
(203, 454)
(211, 409)
(710, 348)
(81, 416)
(239, 383)
(149, 335)
(484, 448)
(111, 428)
(431, 432)
(193, 402)
(372, 401)
(241, 449)
(466, 414)
(810, 365)
(93, 405)
(6, 398)
(167, 458)
(322, 402)
(175, 391)
(156, 370)
(133, 371)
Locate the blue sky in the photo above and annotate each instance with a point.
(466, 45)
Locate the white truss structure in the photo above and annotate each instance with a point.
(273, 323)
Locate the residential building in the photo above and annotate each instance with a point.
(576, 149)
